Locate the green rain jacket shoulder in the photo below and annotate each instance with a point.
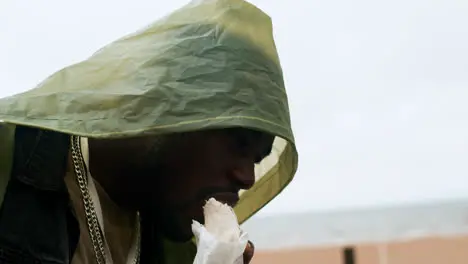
(210, 64)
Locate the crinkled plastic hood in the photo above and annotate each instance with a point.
(210, 64)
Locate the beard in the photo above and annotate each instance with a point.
(173, 222)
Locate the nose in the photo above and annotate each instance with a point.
(244, 174)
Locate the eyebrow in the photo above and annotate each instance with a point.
(269, 147)
(263, 141)
(266, 140)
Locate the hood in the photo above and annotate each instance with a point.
(210, 64)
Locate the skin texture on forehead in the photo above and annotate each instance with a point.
(171, 177)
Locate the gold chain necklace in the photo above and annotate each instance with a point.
(94, 229)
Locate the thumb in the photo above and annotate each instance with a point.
(248, 252)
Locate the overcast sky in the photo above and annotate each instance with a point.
(377, 89)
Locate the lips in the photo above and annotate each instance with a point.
(229, 198)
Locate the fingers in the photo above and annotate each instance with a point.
(249, 252)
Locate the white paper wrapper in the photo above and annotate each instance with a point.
(221, 241)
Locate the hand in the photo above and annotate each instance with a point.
(249, 252)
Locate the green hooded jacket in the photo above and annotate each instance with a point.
(210, 64)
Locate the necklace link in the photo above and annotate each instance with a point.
(94, 229)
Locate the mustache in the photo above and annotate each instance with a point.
(204, 194)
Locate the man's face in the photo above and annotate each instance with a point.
(193, 167)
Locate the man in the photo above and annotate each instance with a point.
(110, 160)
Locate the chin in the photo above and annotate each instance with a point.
(177, 226)
(178, 237)
(175, 231)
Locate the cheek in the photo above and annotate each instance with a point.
(183, 176)
(182, 184)
(177, 184)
